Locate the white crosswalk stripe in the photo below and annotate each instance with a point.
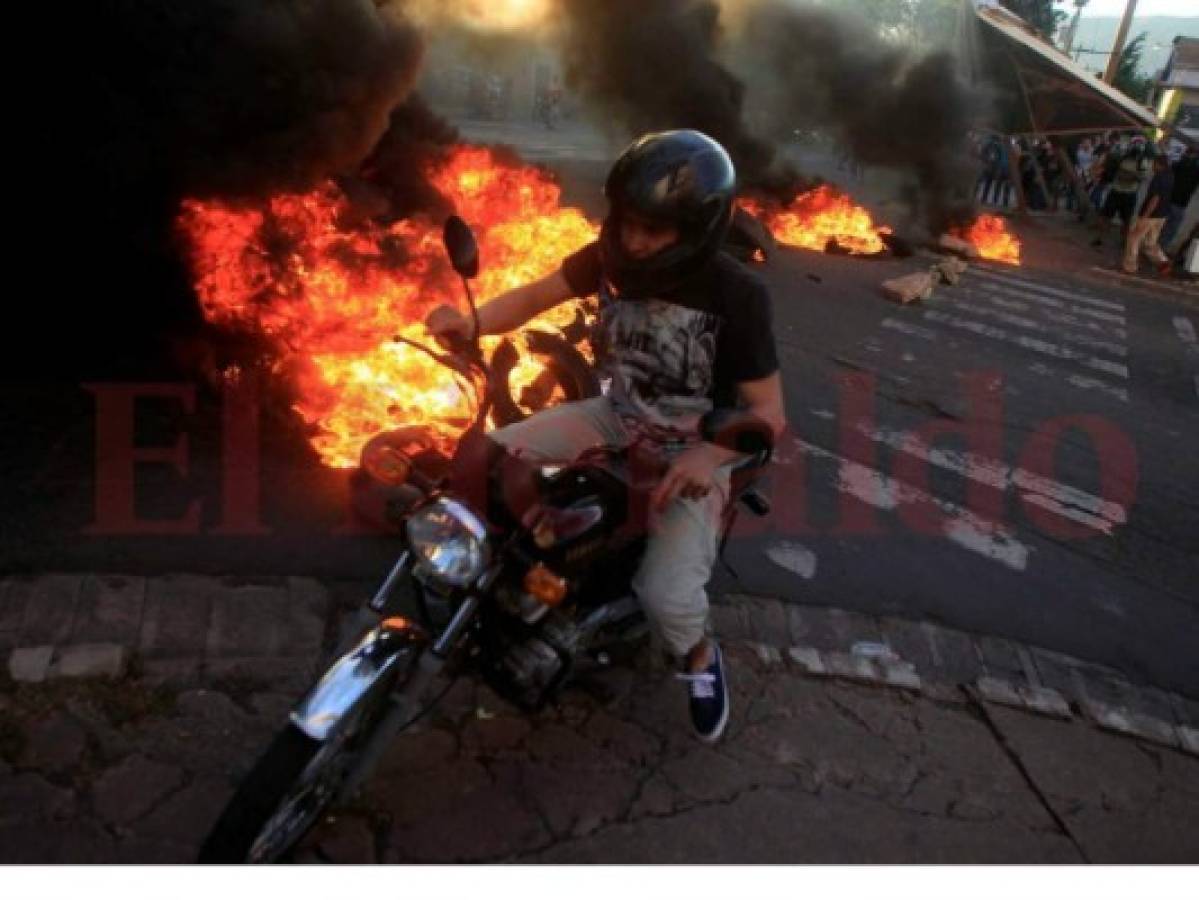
(1070, 317)
(1037, 345)
(1185, 330)
(1069, 337)
(1054, 313)
(963, 527)
(914, 330)
(1058, 310)
(795, 558)
(1062, 499)
(960, 525)
(1083, 382)
(1075, 338)
(1043, 289)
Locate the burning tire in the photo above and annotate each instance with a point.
(567, 376)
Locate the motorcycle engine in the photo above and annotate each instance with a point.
(531, 667)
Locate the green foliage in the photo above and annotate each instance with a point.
(1128, 77)
(1040, 14)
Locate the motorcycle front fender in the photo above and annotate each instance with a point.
(383, 651)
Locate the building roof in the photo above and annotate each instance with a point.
(1185, 54)
(1038, 88)
(1182, 69)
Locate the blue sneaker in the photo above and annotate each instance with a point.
(709, 698)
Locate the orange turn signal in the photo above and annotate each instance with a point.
(544, 586)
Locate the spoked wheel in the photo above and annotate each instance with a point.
(293, 783)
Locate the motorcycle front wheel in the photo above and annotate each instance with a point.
(288, 790)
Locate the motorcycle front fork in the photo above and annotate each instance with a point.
(410, 699)
(403, 706)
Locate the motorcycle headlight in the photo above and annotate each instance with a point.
(449, 542)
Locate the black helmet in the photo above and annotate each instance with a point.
(681, 177)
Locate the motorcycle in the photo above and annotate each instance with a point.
(519, 575)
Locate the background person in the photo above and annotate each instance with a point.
(1145, 231)
(1127, 170)
(1186, 178)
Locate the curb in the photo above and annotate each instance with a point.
(899, 674)
(949, 666)
(188, 629)
(34, 665)
(176, 628)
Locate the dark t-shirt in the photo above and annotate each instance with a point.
(674, 357)
(1160, 187)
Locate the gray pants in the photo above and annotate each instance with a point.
(682, 542)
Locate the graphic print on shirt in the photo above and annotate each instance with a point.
(661, 358)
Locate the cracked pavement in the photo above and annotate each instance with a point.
(811, 771)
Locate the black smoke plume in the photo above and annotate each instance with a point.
(887, 104)
(235, 99)
(655, 64)
(221, 99)
(394, 172)
(652, 65)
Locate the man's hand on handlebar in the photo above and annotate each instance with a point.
(449, 327)
(691, 475)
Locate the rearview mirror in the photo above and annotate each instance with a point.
(461, 247)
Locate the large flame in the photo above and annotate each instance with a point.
(816, 218)
(993, 241)
(332, 289)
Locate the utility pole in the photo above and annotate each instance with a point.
(1073, 29)
(1113, 63)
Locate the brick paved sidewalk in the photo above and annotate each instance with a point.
(832, 755)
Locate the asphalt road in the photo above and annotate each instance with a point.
(1080, 540)
(987, 507)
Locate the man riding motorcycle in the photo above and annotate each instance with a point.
(683, 328)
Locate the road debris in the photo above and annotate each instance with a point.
(909, 288)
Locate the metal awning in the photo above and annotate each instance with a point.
(1039, 89)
